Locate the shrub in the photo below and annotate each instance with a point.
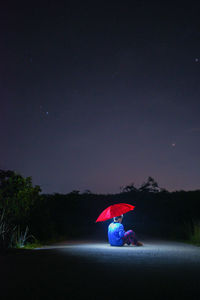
(195, 233)
(20, 238)
(6, 231)
(17, 196)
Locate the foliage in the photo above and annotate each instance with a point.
(3, 226)
(17, 195)
(6, 231)
(128, 188)
(195, 233)
(33, 245)
(20, 238)
(150, 186)
(188, 232)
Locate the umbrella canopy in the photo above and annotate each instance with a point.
(114, 211)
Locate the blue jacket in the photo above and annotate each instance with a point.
(115, 234)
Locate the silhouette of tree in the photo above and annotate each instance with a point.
(87, 192)
(17, 194)
(75, 192)
(150, 186)
(128, 188)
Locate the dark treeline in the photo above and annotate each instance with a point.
(73, 215)
(157, 213)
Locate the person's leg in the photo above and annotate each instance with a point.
(131, 237)
(126, 239)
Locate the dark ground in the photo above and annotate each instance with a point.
(94, 270)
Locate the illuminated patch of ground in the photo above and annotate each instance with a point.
(95, 270)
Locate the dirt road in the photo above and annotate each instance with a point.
(95, 270)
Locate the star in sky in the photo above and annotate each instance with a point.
(43, 111)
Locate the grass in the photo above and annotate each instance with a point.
(20, 239)
(32, 246)
(195, 234)
(191, 233)
(39, 244)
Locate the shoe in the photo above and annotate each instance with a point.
(139, 244)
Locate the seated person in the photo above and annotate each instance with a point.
(117, 236)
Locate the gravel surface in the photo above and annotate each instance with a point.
(95, 270)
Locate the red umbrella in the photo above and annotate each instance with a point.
(114, 211)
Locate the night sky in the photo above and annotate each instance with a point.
(96, 95)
